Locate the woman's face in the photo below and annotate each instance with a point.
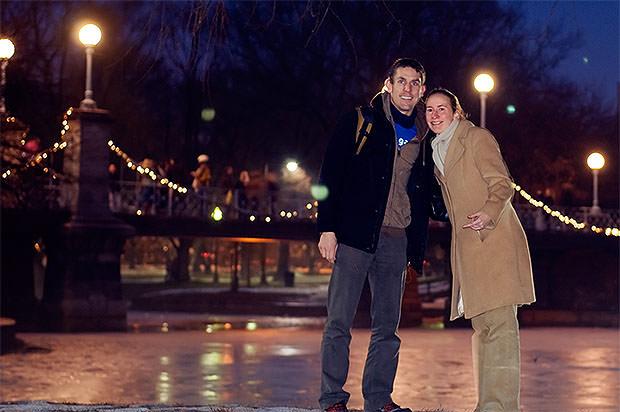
(439, 113)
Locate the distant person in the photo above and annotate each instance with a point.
(227, 181)
(172, 170)
(492, 272)
(567, 194)
(114, 188)
(541, 222)
(379, 189)
(227, 185)
(146, 202)
(272, 192)
(201, 182)
(202, 175)
(241, 193)
(547, 197)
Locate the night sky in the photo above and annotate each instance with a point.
(596, 64)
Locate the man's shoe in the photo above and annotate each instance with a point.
(338, 407)
(392, 407)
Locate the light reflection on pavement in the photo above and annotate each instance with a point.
(563, 369)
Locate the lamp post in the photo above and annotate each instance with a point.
(595, 161)
(89, 35)
(6, 52)
(483, 83)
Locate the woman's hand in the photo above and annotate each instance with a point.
(480, 220)
(328, 245)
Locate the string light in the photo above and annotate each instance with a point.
(145, 171)
(608, 231)
(38, 158)
(42, 156)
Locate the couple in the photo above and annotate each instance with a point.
(374, 222)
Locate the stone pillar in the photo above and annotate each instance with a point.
(71, 160)
(283, 259)
(86, 293)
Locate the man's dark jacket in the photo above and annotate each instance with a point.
(358, 184)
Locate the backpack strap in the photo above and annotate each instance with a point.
(364, 126)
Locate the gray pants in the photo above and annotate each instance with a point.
(385, 270)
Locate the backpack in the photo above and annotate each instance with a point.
(364, 126)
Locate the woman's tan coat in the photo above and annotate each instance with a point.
(491, 268)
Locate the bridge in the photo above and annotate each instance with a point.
(83, 223)
(154, 210)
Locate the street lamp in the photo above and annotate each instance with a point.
(484, 84)
(595, 161)
(89, 35)
(292, 166)
(6, 52)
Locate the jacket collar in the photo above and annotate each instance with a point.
(381, 103)
(457, 148)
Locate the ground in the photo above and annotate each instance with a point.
(564, 369)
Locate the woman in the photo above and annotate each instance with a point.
(492, 272)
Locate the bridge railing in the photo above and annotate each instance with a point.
(151, 199)
(537, 219)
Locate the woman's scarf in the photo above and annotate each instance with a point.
(440, 145)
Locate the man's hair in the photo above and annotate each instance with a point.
(454, 101)
(406, 62)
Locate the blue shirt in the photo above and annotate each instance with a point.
(404, 134)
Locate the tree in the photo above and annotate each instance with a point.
(280, 74)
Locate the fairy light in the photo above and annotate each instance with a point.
(145, 171)
(42, 156)
(608, 231)
(38, 158)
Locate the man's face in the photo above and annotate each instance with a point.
(405, 88)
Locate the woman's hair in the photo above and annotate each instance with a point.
(454, 101)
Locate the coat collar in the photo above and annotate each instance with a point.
(381, 102)
(457, 148)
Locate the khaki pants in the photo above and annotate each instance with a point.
(495, 348)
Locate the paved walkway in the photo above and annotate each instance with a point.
(41, 406)
(564, 370)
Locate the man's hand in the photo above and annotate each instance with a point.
(480, 220)
(328, 245)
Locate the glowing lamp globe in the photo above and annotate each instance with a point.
(90, 35)
(292, 166)
(596, 161)
(7, 49)
(484, 83)
(217, 214)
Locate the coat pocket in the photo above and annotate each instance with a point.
(482, 234)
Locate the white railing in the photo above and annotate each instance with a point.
(150, 199)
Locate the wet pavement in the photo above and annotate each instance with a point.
(564, 369)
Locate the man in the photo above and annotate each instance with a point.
(379, 193)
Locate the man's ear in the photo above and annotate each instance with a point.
(387, 85)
